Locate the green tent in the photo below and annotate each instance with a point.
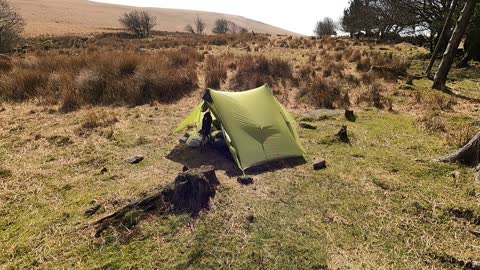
(256, 127)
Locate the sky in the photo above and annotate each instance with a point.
(297, 16)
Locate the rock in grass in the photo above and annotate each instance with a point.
(306, 125)
(245, 180)
(319, 164)
(135, 159)
(350, 115)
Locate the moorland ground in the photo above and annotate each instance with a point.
(63, 17)
(72, 106)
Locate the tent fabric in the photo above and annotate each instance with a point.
(256, 126)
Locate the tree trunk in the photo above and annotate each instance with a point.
(441, 38)
(468, 155)
(448, 57)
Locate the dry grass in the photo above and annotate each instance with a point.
(215, 71)
(93, 119)
(434, 100)
(323, 93)
(254, 71)
(433, 122)
(102, 77)
(460, 136)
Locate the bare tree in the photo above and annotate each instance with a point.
(448, 56)
(472, 40)
(233, 28)
(447, 25)
(221, 26)
(198, 28)
(11, 27)
(326, 27)
(140, 23)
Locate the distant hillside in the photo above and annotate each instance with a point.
(58, 17)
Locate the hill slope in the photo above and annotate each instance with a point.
(59, 17)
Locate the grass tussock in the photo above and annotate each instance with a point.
(460, 136)
(5, 64)
(434, 100)
(432, 122)
(254, 71)
(323, 93)
(93, 119)
(372, 96)
(215, 72)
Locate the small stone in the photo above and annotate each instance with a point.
(455, 174)
(307, 126)
(135, 159)
(319, 164)
(245, 180)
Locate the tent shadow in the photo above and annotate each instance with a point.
(222, 160)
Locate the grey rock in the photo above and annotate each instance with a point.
(245, 180)
(135, 159)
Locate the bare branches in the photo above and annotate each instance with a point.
(327, 27)
(11, 27)
(197, 28)
(139, 22)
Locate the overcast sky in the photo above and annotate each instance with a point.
(298, 16)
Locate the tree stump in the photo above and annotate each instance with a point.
(193, 190)
(189, 193)
(468, 155)
(342, 135)
(350, 115)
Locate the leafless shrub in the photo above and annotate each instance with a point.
(11, 27)
(221, 26)
(197, 28)
(138, 22)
